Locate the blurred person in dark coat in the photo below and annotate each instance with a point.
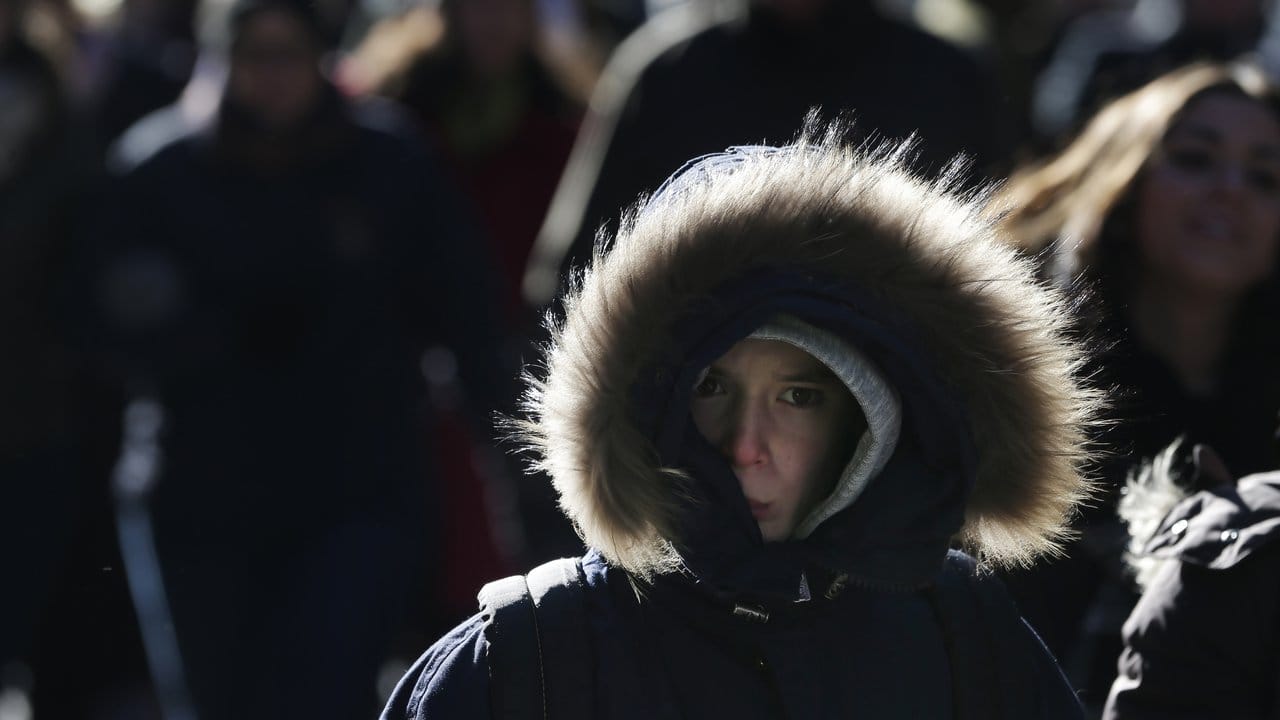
(701, 78)
(1118, 47)
(1204, 640)
(502, 112)
(43, 178)
(273, 276)
(137, 64)
(1164, 217)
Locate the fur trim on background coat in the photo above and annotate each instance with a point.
(1154, 489)
(998, 337)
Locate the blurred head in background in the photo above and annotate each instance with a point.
(1176, 183)
(31, 95)
(1210, 15)
(494, 36)
(275, 51)
(10, 10)
(1207, 207)
(801, 12)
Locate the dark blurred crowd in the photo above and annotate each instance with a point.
(310, 241)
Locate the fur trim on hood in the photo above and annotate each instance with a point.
(996, 335)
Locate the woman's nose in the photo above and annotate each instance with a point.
(1230, 178)
(746, 442)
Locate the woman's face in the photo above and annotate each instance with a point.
(1208, 208)
(784, 422)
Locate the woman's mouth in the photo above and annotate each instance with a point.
(1218, 227)
(759, 510)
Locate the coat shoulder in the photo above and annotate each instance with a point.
(451, 679)
(1002, 659)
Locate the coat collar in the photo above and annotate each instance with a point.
(1218, 528)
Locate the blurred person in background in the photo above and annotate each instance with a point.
(500, 110)
(273, 277)
(1164, 214)
(1121, 46)
(1204, 640)
(705, 76)
(1016, 38)
(43, 179)
(503, 111)
(142, 63)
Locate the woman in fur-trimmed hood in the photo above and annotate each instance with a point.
(794, 379)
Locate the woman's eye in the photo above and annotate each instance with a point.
(1190, 159)
(1264, 180)
(707, 387)
(802, 397)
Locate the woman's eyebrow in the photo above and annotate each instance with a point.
(1205, 133)
(1198, 132)
(817, 376)
(1266, 151)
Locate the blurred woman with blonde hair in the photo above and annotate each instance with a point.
(1163, 217)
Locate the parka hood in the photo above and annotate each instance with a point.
(850, 242)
